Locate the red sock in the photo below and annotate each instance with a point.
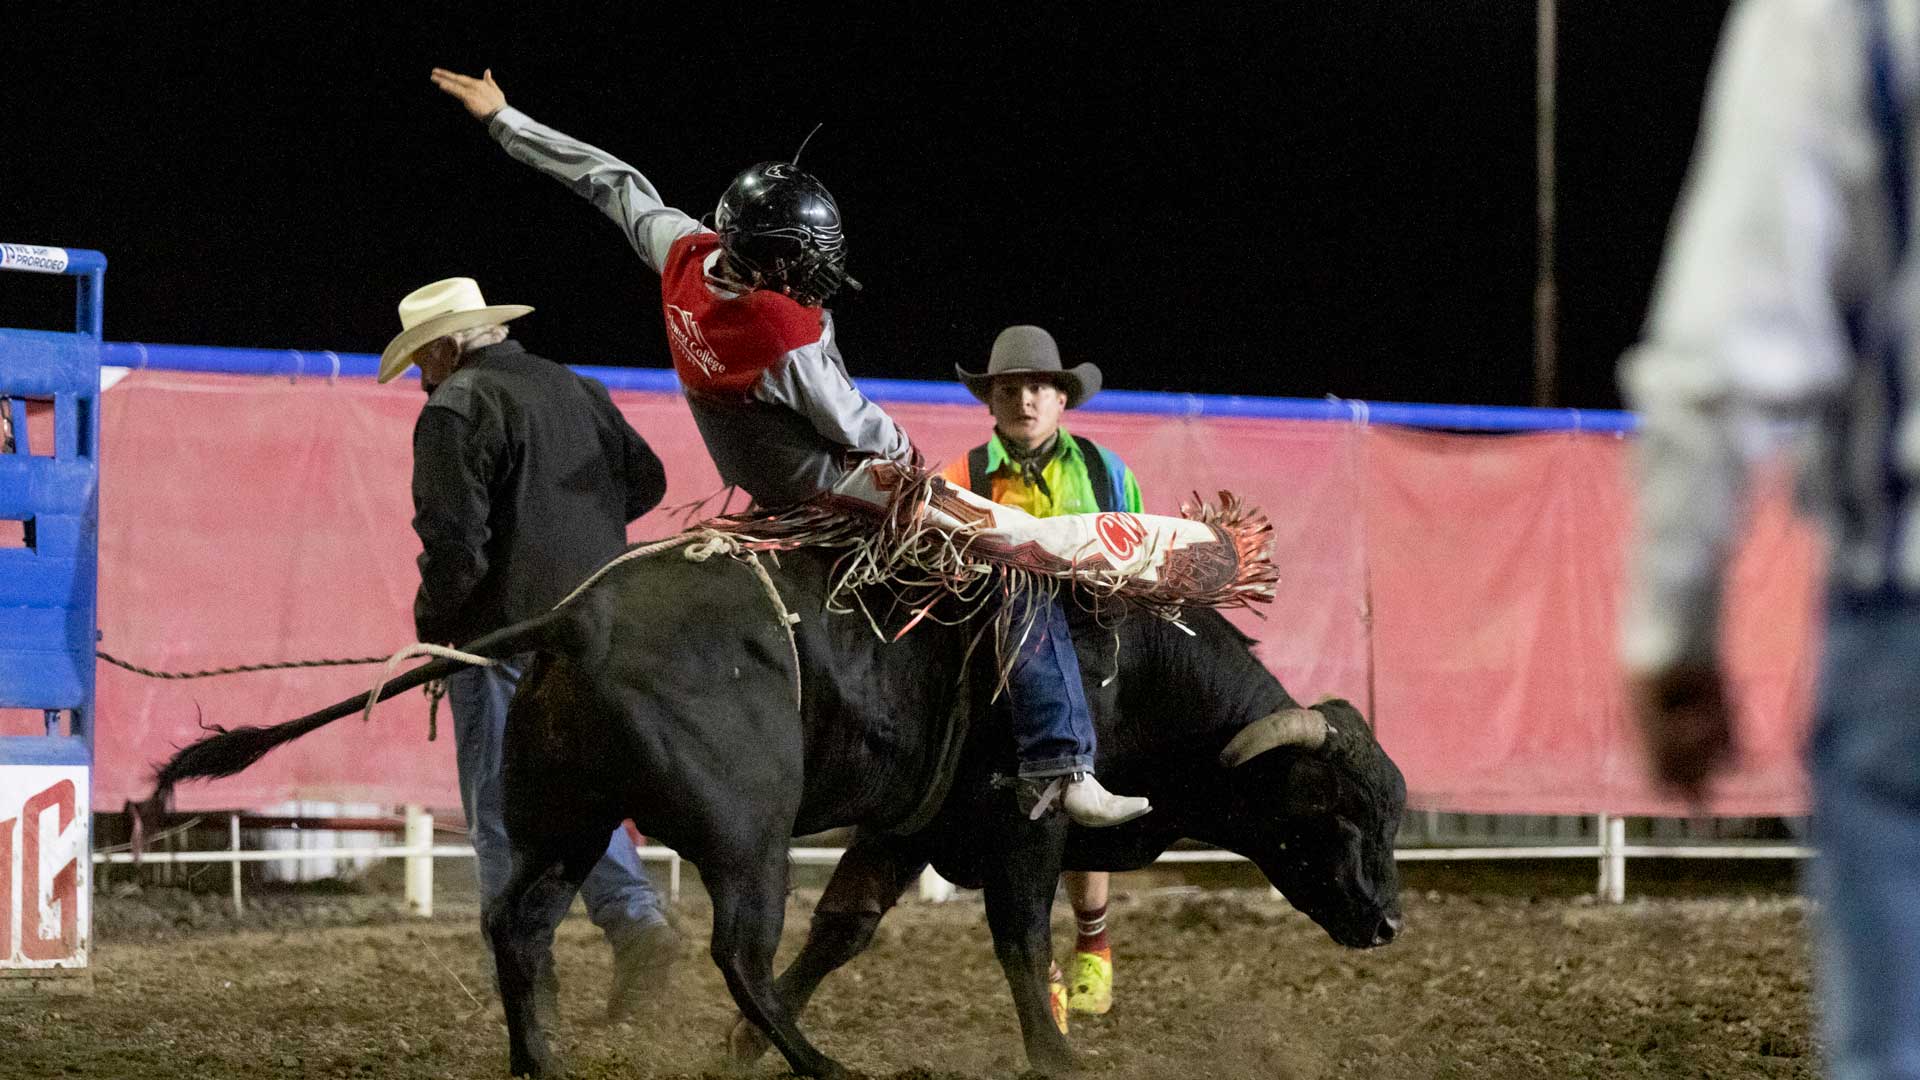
(1093, 930)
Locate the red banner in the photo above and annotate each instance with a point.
(1463, 590)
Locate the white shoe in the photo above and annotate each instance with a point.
(1089, 804)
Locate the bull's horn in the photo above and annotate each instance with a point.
(1288, 727)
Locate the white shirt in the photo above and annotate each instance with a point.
(1782, 303)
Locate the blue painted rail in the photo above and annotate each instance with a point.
(307, 363)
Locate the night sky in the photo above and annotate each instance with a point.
(1294, 199)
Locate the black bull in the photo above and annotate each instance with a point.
(666, 691)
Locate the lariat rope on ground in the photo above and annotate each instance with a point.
(241, 669)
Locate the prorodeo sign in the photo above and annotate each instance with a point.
(45, 260)
(45, 867)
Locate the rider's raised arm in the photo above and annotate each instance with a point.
(812, 381)
(614, 186)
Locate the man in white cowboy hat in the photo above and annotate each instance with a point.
(753, 346)
(1031, 461)
(525, 476)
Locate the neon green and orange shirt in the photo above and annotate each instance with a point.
(1069, 485)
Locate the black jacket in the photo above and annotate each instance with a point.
(524, 479)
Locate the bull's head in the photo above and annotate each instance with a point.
(1315, 803)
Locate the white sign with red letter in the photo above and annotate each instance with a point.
(45, 866)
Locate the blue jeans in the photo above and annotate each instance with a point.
(1866, 822)
(619, 898)
(1052, 727)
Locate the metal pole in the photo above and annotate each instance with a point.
(1601, 887)
(89, 302)
(1613, 859)
(419, 871)
(1546, 289)
(233, 836)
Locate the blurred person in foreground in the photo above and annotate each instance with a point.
(1788, 297)
(1034, 463)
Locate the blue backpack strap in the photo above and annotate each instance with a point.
(1885, 101)
(1889, 118)
(1098, 474)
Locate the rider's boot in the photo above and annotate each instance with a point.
(1089, 804)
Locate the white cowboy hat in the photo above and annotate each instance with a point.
(1029, 350)
(436, 310)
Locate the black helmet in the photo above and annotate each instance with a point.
(781, 231)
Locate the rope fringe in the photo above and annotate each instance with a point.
(936, 573)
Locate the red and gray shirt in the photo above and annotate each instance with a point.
(761, 372)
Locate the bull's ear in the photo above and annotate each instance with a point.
(1303, 728)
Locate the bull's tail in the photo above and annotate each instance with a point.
(226, 752)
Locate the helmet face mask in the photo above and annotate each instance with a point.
(780, 229)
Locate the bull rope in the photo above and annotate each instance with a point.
(419, 648)
(700, 545)
(718, 543)
(704, 544)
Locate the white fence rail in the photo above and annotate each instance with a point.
(1610, 853)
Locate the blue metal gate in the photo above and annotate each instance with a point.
(49, 557)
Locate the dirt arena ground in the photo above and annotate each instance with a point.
(1228, 983)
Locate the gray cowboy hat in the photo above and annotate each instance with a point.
(1029, 350)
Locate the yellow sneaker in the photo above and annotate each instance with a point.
(1092, 982)
(1057, 996)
